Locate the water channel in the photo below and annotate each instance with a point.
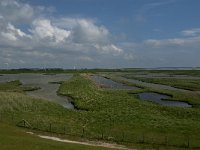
(108, 83)
(46, 83)
(162, 99)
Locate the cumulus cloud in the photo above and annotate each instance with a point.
(84, 30)
(13, 33)
(87, 32)
(50, 38)
(43, 29)
(14, 11)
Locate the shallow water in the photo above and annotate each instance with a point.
(48, 90)
(152, 85)
(111, 84)
(158, 98)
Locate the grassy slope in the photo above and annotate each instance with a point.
(116, 114)
(120, 112)
(12, 138)
(191, 97)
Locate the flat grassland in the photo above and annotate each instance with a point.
(12, 138)
(103, 114)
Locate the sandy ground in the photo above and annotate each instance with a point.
(89, 143)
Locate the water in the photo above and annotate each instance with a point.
(158, 98)
(162, 75)
(47, 90)
(152, 85)
(111, 84)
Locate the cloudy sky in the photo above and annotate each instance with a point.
(99, 33)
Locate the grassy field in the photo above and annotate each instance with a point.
(12, 138)
(108, 115)
(188, 84)
(15, 86)
(172, 72)
(134, 70)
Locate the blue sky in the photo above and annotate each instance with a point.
(99, 33)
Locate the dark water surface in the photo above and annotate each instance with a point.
(111, 84)
(159, 98)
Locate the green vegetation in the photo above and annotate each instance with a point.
(121, 112)
(12, 138)
(105, 114)
(176, 72)
(15, 86)
(188, 84)
(11, 86)
(53, 71)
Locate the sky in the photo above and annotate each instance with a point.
(99, 33)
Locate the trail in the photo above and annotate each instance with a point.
(88, 143)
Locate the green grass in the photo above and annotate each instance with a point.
(121, 112)
(177, 72)
(188, 84)
(51, 71)
(12, 138)
(15, 86)
(11, 86)
(110, 115)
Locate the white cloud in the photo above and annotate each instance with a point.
(87, 32)
(86, 58)
(84, 30)
(191, 32)
(129, 56)
(43, 29)
(11, 33)
(9, 36)
(173, 42)
(38, 54)
(47, 39)
(17, 11)
(111, 48)
(175, 51)
(13, 10)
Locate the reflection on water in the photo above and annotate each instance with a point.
(158, 98)
(47, 89)
(111, 84)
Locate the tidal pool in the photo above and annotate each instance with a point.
(162, 99)
(111, 84)
(48, 88)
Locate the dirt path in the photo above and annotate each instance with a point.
(89, 143)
